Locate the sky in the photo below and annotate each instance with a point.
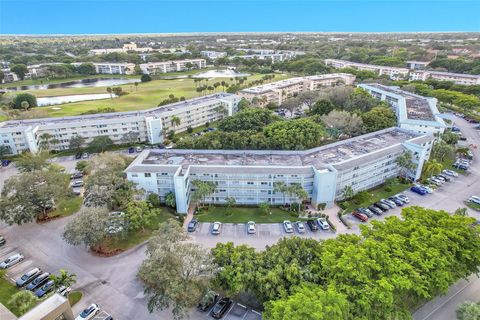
(158, 16)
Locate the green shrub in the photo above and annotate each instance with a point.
(189, 129)
(321, 206)
(28, 97)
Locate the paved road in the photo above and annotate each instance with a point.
(111, 282)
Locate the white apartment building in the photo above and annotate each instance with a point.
(414, 112)
(417, 65)
(126, 48)
(150, 125)
(213, 54)
(172, 66)
(249, 176)
(457, 78)
(393, 72)
(279, 91)
(114, 68)
(267, 54)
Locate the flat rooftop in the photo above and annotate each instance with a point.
(417, 107)
(319, 157)
(367, 65)
(274, 85)
(157, 111)
(459, 75)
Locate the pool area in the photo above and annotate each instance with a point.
(84, 83)
(220, 74)
(50, 101)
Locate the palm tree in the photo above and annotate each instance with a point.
(433, 167)
(175, 121)
(297, 190)
(216, 85)
(404, 162)
(223, 83)
(45, 141)
(109, 90)
(25, 105)
(202, 190)
(280, 186)
(63, 279)
(136, 86)
(347, 192)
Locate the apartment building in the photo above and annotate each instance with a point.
(457, 78)
(126, 48)
(414, 112)
(267, 54)
(393, 72)
(417, 65)
(213, 54)
(249, 176)
(172, 66)
(148, 125)
(114, 68)
(279, 91)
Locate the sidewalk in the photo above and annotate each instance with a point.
(5, 314)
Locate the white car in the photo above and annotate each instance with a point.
(427, 188)
(138, 149)
(77, 184)
(402, 197)
(216, 228)
(89, 312)
(450, 173)
(475, 199)
(12, 260)
(287, 225)
(251, 227)
(300, 227)
(323, 224)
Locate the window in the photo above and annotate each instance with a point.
(148, 174)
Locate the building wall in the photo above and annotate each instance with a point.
(171, 66)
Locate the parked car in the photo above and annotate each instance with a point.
(192, 225)
(85, 155)
(375, 210)
(216, 227)
(208, 300)
(395, 200)
(388, 203)
(2, 241)
(76, 175)
(287, 226)
(77, 191)
(77, 184)
(312, 225)
(221, 308)
(419, 190)
(460, 166)
(89, 312)
(450, 173)
(6, 162)
(382, 206)
(78, 155)
(474, 199)
(300, 227)
(455, 129)
(360, 216)
(323, 224)
(46, 288)
(251, 229)
(12, 260)
(38, 281)
(403, 197)
(138, 149)
(443, 177)
(64, 291)
(131, 150)
(427, 188)
(27, 277)
(365, 211)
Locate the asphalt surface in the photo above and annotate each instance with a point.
(112, 283)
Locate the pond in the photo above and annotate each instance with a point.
(83, 83)
(50, 101)
(220, 74)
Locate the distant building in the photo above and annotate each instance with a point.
(414, 112)
(267, 54)
(213, 54)
(393, 72)
(172, 66)
(126, 48)
(10, 77)
(457, 78)
(417, 65)
(279, 91)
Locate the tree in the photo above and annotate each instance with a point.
(321, 107)
(175, 273)
(450, 138)
(100, 144)
(25, 105)
(461, 211)
(405, 163)
(76, 142)
(202, 189)
(310, 302)
(264, 208)
(20, 70)
(308, 98)
(130, 137)
(63, 279)
(170, 199)
(24, 97)
(175, 121)
(298, 191)
(433, 167)
(291, 104)
(141, 214)
(136, 85)
(441, 151)
(145, 78)
(23, 301)
(45, 141)
(360, 100)
(230, 201)
(154, 200)
(30, 195)
(347, 192)
(29, 162)
(378, 118)
(347, 123)
(86, 68)
(468, 311)
(109, 90)
(280, 187)
(88, 227)
(294, 134)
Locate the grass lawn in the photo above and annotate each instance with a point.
(146, 95)
(74, 297)
(376, 194)
(66, 207)
(472, 205)
(133, 238)
(243, 215)
(3, 117)
(7, 290)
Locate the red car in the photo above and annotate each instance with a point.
(360, 216)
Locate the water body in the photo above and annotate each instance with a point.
(220, 74)
(84, 83)
(50, 101)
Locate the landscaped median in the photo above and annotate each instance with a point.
(7, 290)
(245, 214)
